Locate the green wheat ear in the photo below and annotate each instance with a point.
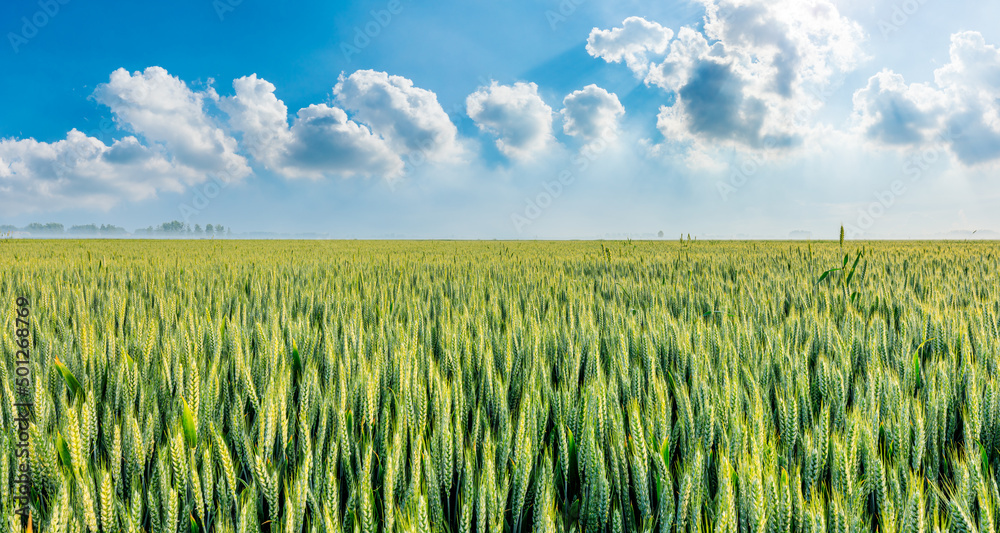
(841, 235)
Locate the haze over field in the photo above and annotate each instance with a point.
(572, 119)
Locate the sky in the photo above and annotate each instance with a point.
(537, 119)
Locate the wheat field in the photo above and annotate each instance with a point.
(302, 386)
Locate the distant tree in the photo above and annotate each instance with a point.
(197, 229)
(89, 229)
(660, 234)
(229, 232)
(50, 228)
(209, 230)
(112, 230)
(175, 226)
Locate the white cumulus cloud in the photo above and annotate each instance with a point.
(634, 42)
(180, 146)
(263, 119)
(409, 118)
(516, 114)
(322, 141)
(891, 112)
(163, 110)
(961, 109)
(751, 76)
(591, 112)
(83, 172)
(325, 141)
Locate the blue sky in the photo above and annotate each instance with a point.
(523, 119)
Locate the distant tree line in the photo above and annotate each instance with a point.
(56, 229)
(173, 228)
(178, 229)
